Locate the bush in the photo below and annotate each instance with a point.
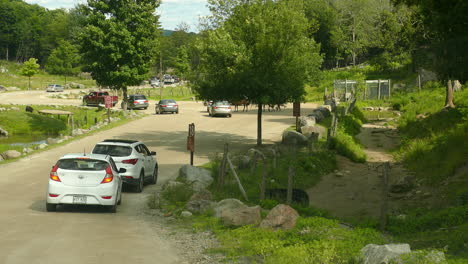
(177, 195)
(345, 145)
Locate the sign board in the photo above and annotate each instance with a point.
(296, 109)
(191, 138)
(108, 101)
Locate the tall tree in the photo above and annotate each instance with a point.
(446, 33)
(261, 51)
(118, 43)
(64, 60)
(30, 68)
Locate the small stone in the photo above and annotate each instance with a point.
(186, 214)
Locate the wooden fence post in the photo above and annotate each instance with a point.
(241, 188)
(222, 167)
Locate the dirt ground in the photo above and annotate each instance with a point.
(355, 190)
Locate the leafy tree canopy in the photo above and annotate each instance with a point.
(119, 41)
(64, 59)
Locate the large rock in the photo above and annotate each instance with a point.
(241, 216)
(201, 195)
(11, 154)
(199, 206)
(307, 121)
(280, 217)
(309, 131)
(293, 138)
(51, 141)
(317, 115)
(77, 132)
(383, 254)
(227, 204)
(3, 132)
(199, 178)
(404, 184)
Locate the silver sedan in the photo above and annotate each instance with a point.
(220, 108)
(167, 105)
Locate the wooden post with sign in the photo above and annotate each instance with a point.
(108, 105)
(191, 141)
(297, 113)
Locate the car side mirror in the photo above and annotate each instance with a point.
(122, 170)
(153, 153)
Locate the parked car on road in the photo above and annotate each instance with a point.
(220, 108)
(85, 179)
(135, 157)
(54, 88)
(98, 98)
(137, 101)
(167, 105)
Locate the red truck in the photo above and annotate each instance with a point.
(97, 98)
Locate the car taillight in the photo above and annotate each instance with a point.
(135, 102)
(163, 105)
(106, 197)
(215, 107)
(53, 174)
(176, 105)
(130, 161)
(109, 175)
(229, 107)
(53, 195)
(145, 101)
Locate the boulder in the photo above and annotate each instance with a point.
(185, 214)
(1, 158)
(383, 254)
(241, 216)
(324, 109)
(42, 146)
(404, 184)
(310, 131)
(199, 206)
(27, 150)
(317, 115)
(307, 121)
(11, 154)
(280, 217)
(293, 138)
(52, 141)
(241, 161)
(3, 132)
(201, 195)
(2, 88)
(199, 178)
(77, 132)
(227, 204)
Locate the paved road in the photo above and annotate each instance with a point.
(28, 234)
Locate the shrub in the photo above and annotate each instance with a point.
(177, 195)
(345, 145)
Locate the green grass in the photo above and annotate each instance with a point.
(39, 81)
(178, 93)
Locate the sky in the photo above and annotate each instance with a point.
(172, 12)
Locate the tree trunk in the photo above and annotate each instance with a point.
(259, 125)
(124, 99)
(449, 95)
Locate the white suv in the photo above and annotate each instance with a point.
(133, 156)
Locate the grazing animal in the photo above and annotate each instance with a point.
(244, 102)
(29, 109)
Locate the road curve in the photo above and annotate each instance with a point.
(28, 234)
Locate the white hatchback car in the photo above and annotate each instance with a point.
(133, 156)
(86, 179)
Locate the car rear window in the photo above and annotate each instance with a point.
(167, 101)
(139, 97)
(82, 164)
(221, 103)
(113, 150)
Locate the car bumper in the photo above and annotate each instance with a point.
(93, 194)
(221, 112)
(169, 109)
(137, 106)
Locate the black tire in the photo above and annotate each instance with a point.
(112, 208)
(154, 177)
(230, 115)
(141, 183)
(51, 207)
(144, 108)
(177, 112)
(119, 202)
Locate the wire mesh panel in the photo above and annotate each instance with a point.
(344, 88)
(377, 89)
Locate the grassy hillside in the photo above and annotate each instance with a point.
(12, 78)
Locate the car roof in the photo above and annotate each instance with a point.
(121, 142)
(86, 156)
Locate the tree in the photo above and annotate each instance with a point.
(118, 43)
(64, 60)
(30, 68)
(446, 33)
(261, 51)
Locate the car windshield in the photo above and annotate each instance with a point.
(82, 164)
(221, 103)
(167, 101)
(139, 97)
(113, 150)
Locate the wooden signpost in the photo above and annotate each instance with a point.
(191, 141)
(297, 113)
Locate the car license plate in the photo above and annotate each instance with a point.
(79, 199)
